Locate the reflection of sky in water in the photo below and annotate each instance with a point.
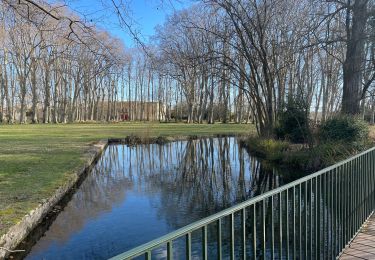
(136, 194)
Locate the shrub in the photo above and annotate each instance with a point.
(293, 123)
(269, 149)
(347, 129)
(318, 157)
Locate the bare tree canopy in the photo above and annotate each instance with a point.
(216, 60)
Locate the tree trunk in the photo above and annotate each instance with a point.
(353, 64)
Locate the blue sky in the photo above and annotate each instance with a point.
(146, 14)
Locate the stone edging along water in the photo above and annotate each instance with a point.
(12, 241)
(17, 233)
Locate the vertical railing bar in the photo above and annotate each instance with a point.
(148, 255)
(366, 181)
(204, 242)
(287, 222)
(332, 220)
(219, 242)
(188, 246)
(231, 216)
(355, 205)
(369, 206)
(329, 214)
(365, 167)
(361, 189)
(364, 207)
(341, 205)
(365, 184)
(352, 186)
(323, 193)
(318, 217)
(244, 233)
(334, 215)
(294, 220)
(347, 198)
(328, 210)
(306, 213)
(372, 160)
(325, 214)
(369, 183)
(170, 250)
(280, 226)
(264, 229)
(336, 210)
(272, 230)
(311, 218)
(345, 189)
(372, 180)
(348, 218)
(254, 232)
(340, 232)
(300, 220)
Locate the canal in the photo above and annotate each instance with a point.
(139, 193)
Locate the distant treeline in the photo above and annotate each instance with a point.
(218, 60)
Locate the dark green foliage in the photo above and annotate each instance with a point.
(293, 124)
(347, 129)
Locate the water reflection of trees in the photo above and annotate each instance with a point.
(198, 177)
(184, 181)
(101, 190)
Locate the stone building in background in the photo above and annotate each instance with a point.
(136, 110)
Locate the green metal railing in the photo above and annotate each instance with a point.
(314, 217)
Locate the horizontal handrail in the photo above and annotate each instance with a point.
(168, 238)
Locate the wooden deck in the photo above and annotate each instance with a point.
(363, 245)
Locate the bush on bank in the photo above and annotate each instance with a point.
(293, 123)
(336, 139)
(269, 149)
(350, 130)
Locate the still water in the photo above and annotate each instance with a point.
(139, 193)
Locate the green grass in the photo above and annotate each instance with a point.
(37, 159)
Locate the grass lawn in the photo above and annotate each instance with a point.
(36, 159)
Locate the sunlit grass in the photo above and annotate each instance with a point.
(36, 159)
